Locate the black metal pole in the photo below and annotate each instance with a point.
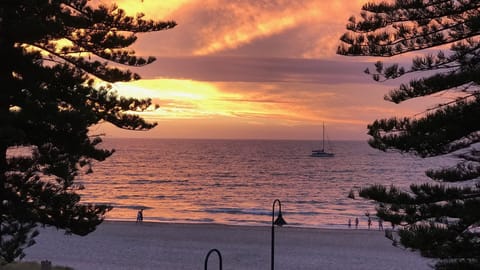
(219, 258)
(272, 259)
(273, 248)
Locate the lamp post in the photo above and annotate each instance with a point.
(219, 258)
(279, 222)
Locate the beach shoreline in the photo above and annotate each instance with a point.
(151, 245)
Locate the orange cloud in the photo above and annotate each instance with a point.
(247, 78)
(311, 28)
(247, 21)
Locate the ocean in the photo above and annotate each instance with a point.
(236, 181)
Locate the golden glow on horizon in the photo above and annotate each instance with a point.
(193, 99)
(245, 103)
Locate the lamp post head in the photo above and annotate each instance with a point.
(220, 265)
(280, 221)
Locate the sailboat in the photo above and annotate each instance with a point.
(321, 152)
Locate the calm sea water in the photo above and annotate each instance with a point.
(236, 181)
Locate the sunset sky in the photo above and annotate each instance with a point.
(255, 69)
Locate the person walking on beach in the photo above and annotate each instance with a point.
(369, 222)
(140, 216)
(380, 224)
(356, 223)
(349, 223)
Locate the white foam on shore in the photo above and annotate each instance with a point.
(126, 245)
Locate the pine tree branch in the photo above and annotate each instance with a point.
(394, 11)
(391, 47)
(426, 63)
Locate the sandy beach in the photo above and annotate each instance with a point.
(127, 245)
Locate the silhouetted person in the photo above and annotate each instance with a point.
(140, 216)
(349, 223)
(356, 223)
(369, 222)
(380, 224)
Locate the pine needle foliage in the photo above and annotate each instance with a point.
(58, 57)
(441, 220)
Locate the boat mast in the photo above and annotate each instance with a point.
(323, 137)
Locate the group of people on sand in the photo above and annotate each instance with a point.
(369, 223)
